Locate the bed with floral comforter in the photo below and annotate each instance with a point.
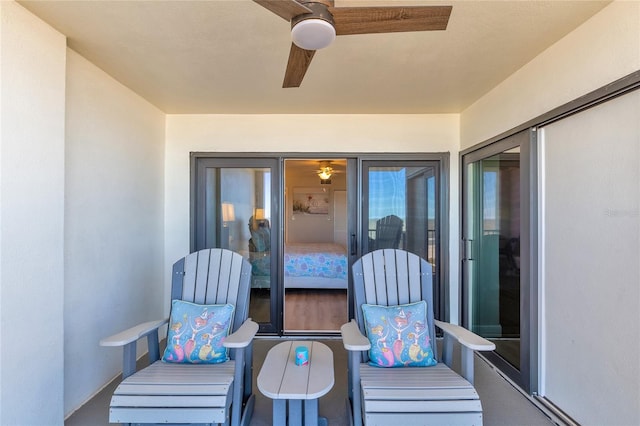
(315, 265)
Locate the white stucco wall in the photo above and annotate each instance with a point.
(32, 99)
(299, 133)
(114, 223)
(602, 50)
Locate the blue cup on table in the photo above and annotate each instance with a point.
(302, 355)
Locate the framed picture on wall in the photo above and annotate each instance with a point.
(311, 201)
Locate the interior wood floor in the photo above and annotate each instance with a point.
(314, 310)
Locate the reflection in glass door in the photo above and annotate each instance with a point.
(495, 224)
(235, 209)
(401, 211)
(495, 238)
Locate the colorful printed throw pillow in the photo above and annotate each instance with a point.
(196, 333)
(399, 335)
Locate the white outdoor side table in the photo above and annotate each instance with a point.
(289, 384)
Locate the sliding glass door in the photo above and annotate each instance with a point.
(496, 229)
(236, 206)
(370, 202)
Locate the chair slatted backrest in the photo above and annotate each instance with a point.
(214, 276)
(392, 277)
(388, 232)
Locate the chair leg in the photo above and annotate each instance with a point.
(238, 384)
(354, 362)
(248, 372)
(128, 360)
(466, 368)
(349, 381)
(447, 350)
(153, 346)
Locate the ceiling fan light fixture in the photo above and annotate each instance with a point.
(325, 172)
(313, 34)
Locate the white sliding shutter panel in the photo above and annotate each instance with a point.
(591, 263)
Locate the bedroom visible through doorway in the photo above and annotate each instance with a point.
(315, 262)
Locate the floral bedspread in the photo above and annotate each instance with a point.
(325, 260)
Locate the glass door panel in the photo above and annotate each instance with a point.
(235, 209)
(401, 210)
(496, 228)
(495, 242)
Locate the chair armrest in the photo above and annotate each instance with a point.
(243, 335)
(133, 334)
(352, 338)
(466, 337)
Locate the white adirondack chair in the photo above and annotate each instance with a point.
(407, 395)
(192, 393)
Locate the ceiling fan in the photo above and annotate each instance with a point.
(316, 23)
(326, 170)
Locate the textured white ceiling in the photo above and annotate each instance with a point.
(229, 56)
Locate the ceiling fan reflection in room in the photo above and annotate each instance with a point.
(316, 23)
